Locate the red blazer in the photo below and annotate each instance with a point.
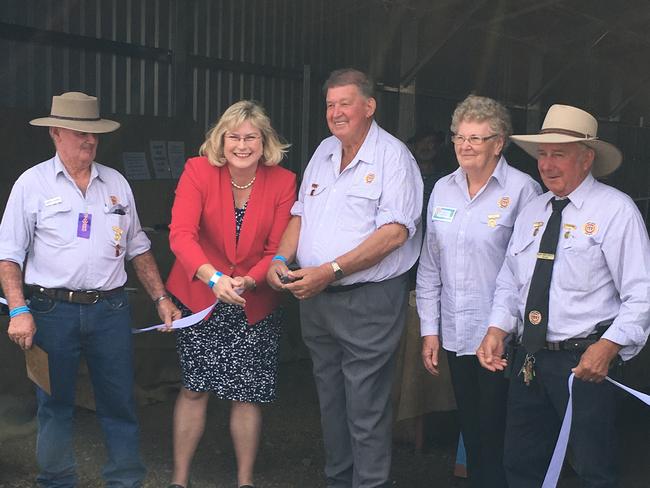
(202, 231)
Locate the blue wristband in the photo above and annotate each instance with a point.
(279, 257)
(18, 310)
(215, 278)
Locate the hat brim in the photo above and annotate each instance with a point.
(100, 126)
(607, 156)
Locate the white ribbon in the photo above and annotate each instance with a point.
(188, 321)
(554, 468)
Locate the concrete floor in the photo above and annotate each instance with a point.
(291, 455)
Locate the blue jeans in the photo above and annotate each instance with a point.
(101, 332)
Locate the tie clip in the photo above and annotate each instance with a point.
(546, 255)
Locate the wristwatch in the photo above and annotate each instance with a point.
(338, 272)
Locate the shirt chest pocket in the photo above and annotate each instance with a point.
(360, 209)
(524, 256)
(576, 267)
(56, 225)
(315, 198)
(497, 228)
(116, 227)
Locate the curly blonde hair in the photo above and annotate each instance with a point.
(233, 117)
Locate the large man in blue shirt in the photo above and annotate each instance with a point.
(596, 272)
(355, 233)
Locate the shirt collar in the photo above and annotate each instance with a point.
(500, 174)
(60, 168)
(366, 152)
(579, 195)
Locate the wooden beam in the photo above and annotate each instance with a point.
(20, 33)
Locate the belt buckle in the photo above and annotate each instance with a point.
(95, 294)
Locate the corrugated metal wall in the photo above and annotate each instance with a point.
(191, 58)
(43, 65)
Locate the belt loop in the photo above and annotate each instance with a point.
(70, 296)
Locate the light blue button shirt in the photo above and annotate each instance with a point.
(42, 224)
(340, 210)
(601, 270)
(463, 251)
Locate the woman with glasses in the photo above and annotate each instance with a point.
(231, 207)
(470, 216)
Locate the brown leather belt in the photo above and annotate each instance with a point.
(85, 297)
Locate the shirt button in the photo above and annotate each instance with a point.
(231, 267)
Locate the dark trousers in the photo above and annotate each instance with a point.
(535, 414)
(352, 337)
(481, 400)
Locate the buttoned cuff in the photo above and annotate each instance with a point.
(429, 327)
(631, 345)
(504, 321)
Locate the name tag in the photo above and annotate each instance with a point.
(443, 214)
(53, 201)
(83, 226)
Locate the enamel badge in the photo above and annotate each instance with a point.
(117, 236)
(503, 202)
(534, 317)
(590, 228)
(568, 228)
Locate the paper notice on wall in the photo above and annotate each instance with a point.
(159, 159)
(176, 154)
(135, 166)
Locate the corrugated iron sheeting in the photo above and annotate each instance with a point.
(233, 49)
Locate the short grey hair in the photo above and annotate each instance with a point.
(350, 76)
(483, 109)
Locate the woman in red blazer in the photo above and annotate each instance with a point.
(231, 208)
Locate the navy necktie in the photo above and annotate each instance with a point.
(536, 316)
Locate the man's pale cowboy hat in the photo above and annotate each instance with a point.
(564, 124)
(76, 111)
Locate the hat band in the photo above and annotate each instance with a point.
(82, 119)
(566, 132)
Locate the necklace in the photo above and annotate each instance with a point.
(242, 187)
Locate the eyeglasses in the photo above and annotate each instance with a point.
(248, 139)
(474, 140)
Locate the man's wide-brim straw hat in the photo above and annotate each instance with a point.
(76, 111)
(564, 124)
